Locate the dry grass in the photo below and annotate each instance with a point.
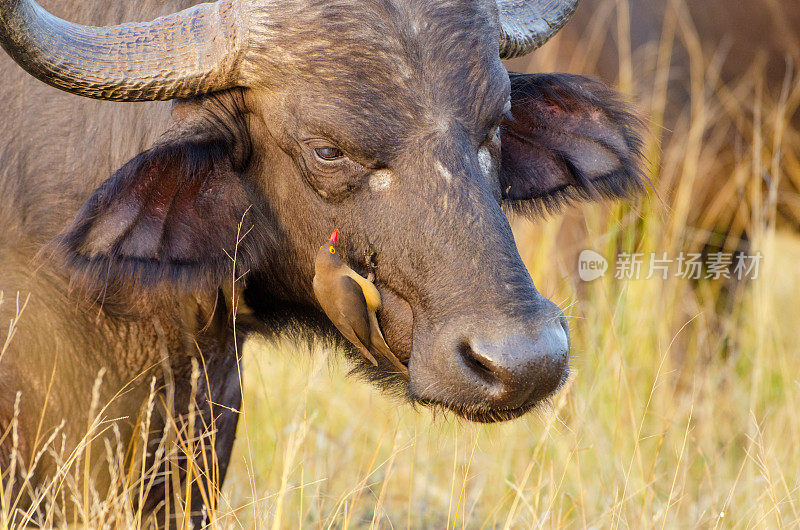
(676, 415)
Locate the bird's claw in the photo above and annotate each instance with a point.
(369, 260)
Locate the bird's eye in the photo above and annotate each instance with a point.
(328, 153)
(332, 250)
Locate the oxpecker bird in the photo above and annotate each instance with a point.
(350, 301)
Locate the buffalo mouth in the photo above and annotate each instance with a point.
(483, 414)
(480, 415)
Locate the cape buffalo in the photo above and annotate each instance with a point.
(145, 254)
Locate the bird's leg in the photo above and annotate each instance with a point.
(369, 256)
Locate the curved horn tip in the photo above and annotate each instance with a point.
(528, 25)
(156, 64)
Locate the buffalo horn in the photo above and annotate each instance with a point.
(528, 24)
(181, 55)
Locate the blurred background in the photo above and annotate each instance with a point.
(682, 409)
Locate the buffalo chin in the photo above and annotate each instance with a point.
(480, 414)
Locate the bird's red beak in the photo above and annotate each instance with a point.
(335, 237)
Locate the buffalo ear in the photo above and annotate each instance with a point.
(177, 212)
(568, 137)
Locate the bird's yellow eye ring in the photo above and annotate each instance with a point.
(332, 250)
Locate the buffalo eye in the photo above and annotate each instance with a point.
(328, 154)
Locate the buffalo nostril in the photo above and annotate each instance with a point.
(517, 368)
(475, 362)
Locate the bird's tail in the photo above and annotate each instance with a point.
(379, 343)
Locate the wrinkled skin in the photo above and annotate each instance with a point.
(429, 138)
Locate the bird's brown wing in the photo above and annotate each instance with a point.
(341, 299)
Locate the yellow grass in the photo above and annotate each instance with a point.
(679, 412)
(656, 428)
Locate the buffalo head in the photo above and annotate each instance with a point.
(392, 120)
